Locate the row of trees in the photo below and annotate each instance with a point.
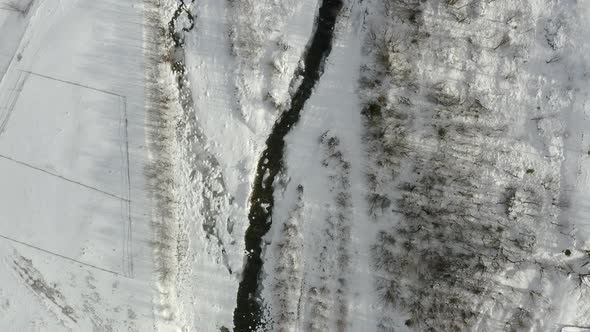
(184, 178)
(319, 301)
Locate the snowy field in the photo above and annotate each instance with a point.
(308, 165)
(74, 215)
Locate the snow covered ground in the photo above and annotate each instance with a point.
(436, 179)
(512, 72)
(74, 214)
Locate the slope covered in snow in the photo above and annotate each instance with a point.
(309, 165)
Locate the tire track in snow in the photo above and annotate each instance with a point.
(248, 313)
(37, 283)
(12, 98)
(61, 256)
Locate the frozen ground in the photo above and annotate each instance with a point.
(74, 215)
(436, 179)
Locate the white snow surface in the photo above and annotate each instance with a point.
(77, 220)
(74, 215)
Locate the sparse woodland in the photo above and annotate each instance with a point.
(465, 203)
